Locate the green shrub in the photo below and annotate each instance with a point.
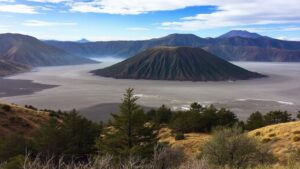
(179, 136)
(6, 108)
(12, 146)
(231, 147)
(14, 163)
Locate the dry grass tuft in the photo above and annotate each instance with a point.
(272, 135)
(296, 132)
(296, 138)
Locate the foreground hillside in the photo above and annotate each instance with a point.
(176, 63)
(283, 138)
(158, 138)
(16, 119)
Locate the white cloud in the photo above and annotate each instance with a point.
(266, 29)
(18, 8)
(39, 23)
(130, 7)
(288, 38)
(229, 13)
(137, 29)
(7, 1)
(291, 29)
(50, 1)
(240, 13)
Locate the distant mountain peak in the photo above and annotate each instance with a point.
(240, 33)
(83, 40)
(178, 35)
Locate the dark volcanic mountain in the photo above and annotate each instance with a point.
(176, 63)
(235, 45)
(9, 68)
(30, 51)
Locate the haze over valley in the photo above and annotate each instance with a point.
(77, 88)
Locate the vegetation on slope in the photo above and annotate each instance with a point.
(16, 120)
(159, 138)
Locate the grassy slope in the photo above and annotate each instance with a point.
(20, 120)
(283, 139)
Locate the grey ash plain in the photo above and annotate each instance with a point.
(12, 87)
(77, 88)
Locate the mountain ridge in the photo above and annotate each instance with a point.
(30, 51)
(19, 53)
(264, 47)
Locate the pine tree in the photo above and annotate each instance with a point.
(129, 132)
(160, 115)
(71, 136)
(255, 120)
(196, 107)
(275, 117)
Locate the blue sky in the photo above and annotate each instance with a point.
(144, 19)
